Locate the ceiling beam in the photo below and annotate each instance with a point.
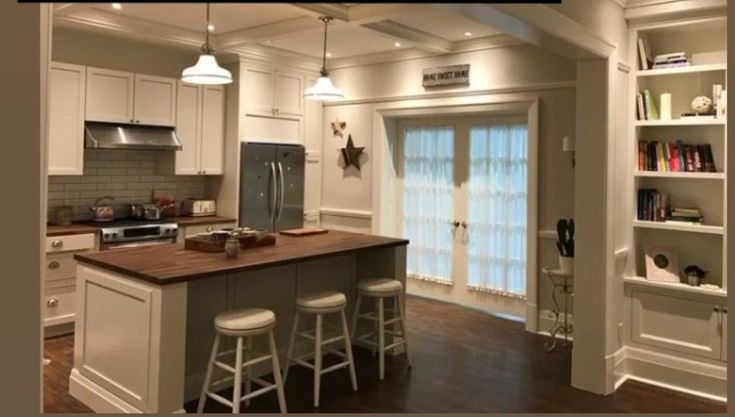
(268, 32)
(417, 38)
(374, 12)
(337, 11)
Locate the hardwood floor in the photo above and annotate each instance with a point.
(464, 361)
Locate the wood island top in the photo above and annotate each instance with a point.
(170, 264)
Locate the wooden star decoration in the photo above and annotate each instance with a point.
(351, 154)
(338, 127)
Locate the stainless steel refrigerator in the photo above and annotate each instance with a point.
(271, 186)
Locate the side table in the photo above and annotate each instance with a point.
(559, 281)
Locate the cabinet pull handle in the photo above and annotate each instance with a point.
(716, 309)
(57, 243)
(132, 120)
(53, 265)
(210, 228)
(724, 310)
(52, 302)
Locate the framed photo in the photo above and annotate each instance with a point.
(662, 264)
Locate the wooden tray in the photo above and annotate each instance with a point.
(303, 232)
(246, 242)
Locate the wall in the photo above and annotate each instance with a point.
(346, 194)
(125, 175)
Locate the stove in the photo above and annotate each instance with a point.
(125, 233)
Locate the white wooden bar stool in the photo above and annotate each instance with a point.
(380, 289)
(321, 304)
(243, 323)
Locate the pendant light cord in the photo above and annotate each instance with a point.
(207, 47)
(326, 20)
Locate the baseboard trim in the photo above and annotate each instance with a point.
(671, 372)
(95, 397)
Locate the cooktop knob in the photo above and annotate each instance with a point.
(107, 235)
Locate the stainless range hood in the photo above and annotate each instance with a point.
(120, 136)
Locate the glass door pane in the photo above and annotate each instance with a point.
(498, 184)
(428, 201)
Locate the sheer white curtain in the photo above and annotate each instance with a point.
(497, 209)
(428, 201)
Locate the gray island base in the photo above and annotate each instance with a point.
(144, 316)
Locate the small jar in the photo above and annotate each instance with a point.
(232, 247)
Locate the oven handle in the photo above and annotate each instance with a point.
(136, 244)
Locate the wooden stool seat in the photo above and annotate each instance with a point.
(243, 323)
(323, 302)
(379, 286)
(320, 304)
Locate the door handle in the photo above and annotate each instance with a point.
(273, 192)
(455, 224)
(283, 191)
(464, 224)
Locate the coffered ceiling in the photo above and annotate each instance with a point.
(359, 29)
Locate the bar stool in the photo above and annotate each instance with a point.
(243, 323)
(320, 304)
(380, 289)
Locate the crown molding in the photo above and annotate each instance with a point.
(261, 54)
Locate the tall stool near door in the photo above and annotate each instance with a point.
(243, 324)
(320, 304)
(381, 289)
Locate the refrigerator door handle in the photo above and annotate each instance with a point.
(283, 191)
(273, 193)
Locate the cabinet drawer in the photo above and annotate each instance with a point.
(60, 267)
(59, 305)
(69, 242)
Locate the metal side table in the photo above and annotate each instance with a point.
(559, 281)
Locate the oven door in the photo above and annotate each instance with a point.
(110, 246)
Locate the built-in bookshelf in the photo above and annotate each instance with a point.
(697, 50)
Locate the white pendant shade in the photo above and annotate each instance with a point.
(207, 72)
(323, 90)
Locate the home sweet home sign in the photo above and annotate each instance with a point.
(449, 75)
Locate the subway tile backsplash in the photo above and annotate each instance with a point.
(124, 175)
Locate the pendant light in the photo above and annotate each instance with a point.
(206, 71)
(323, 89)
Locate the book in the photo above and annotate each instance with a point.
(640, 106)
(644, 55)
(697, 158)
(709, 162)
(671, 55)
(651, 110)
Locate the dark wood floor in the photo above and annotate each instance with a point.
(464, 361)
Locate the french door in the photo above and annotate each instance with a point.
(464, 185)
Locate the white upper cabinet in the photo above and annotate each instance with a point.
(213, 130)
(109, 96)
(201, 129)
(66, 119)
(288, 94)
(272, 92)
(155, 100)
(125, 97)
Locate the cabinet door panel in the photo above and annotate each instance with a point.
(66, 119)
(188, 122)
(259, 88)
(678, 324)
(155, 100)
(288, 93)
(213, 130)
(109, 95)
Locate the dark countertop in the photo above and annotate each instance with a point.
(79, 228)
(169, 264)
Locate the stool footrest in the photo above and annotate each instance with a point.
(395, 344)
(231, 369)
(333, 340)
(334, 367)
(258, 392)
(336, 352)
(302, 363)
(219, 399)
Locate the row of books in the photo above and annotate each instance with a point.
(646, 106)
(671, 60)
(675, 157)
(654, 206)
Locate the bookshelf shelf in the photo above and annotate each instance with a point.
(686, 175)
(674, 287)
(680, 227)
(690, 121)
(693, 69)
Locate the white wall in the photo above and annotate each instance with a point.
(346, 195)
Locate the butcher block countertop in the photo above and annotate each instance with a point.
(191, 221)
(169, 264)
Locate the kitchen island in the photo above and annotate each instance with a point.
(144, 315)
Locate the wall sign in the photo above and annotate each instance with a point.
(449, 75)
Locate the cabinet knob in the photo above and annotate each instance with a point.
(57, 243)
(53, 265)
(716, 309)
(52, 302)
(137, 121)
(210, 228)
(132, 120)
(204, 172)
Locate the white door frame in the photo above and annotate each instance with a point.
(386, 218)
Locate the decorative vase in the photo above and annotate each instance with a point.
(566, 264)
(232, 247)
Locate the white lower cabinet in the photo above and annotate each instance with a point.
(59, 307)
(676, 323)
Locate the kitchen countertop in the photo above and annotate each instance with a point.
(169, 264)
(78, 228)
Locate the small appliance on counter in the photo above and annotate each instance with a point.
(103, 212)
(198, 208)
